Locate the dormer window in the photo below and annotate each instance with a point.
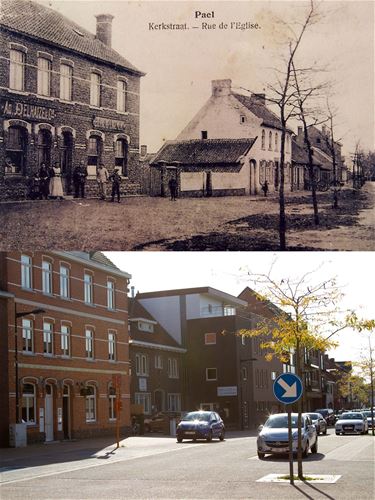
(145, 326)
(242, 119)
(204, 134)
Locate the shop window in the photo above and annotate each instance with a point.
(27, 336)
(47, 277)
(121, 96)
(112, 403)
(26, 272)
(15, 154)
(44, 76)
(65, 340)
(17, 70)
(95, 83)
(28, 404)
(121, 156)
(66, 82)
(90, 403)
(93, 152)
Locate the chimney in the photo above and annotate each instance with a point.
(104, 28)
(324, 129)
(299, 131)
(259, 98)
(132, 293)
(221, 87)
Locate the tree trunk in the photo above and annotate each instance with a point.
(299, 409)
(282, 218)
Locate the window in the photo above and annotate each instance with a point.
(66, 82)
(89, 344)
(158, 362)
(144, 326)
(47, 338)
(47, 277)
(204, 134)
(174, 402)
(172, 368)
(229, 311)
(111, 346)
(17, 70)
(87, 284)
(121, 96)
(263, 139)
(141, 364)
(210, 338)
(270, 141)
(112, 403)
(93, 151)
(90, 403)
(110, 294)
(27, 335)
(144, 399)
(95, 82)
(273, 375)
(121, 156)
(244, 373)
(15, 150)
(276, 142)
(28, 404)
(44, 76)
(64, 282)
(211, 374)
(65, 340)
(242, 119)
(26, 272)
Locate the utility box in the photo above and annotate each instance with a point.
(17, 435)
(172, 427)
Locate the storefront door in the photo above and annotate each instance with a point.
(66, 412)
(49, 413)
(44, 147)
(66, 162)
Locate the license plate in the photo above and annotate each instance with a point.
(281, 450)
(348, 428)
(190, 432)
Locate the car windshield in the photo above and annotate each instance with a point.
(367, 413)
(281, 421)
(197, 415)
(314, 416)
(351, 416)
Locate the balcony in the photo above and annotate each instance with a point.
(214, 311)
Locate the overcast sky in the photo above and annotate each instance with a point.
(227, 271)
(181, 64)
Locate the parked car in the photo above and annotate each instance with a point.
(201, 425)
(157, 423)
(367, 414)
(273, 435)
(351, 423)
(327, 414)
(319, 422)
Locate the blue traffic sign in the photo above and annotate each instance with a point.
(288, 388)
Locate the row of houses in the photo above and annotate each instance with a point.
(66, 96)
(78, 355)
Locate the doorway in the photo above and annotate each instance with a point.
(66, 161)
(49, 413)
(66, 412)
(44, 147)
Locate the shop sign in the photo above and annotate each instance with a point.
(18, 109)
(227, 391)
(102, 123)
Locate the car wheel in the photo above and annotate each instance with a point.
(314, 447)
(179, 440)
(209, 437)
(306, 450)
(222, 436)
(261, 455)
(325, 431)
(337, 433)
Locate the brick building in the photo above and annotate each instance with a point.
(70, 343)
(65, 96)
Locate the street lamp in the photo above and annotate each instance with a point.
(16, 316)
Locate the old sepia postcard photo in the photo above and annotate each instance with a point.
(213, 125)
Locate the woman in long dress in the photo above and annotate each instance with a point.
(55, 186)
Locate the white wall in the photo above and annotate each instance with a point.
(166, 310)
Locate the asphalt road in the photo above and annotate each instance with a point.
(158, 467)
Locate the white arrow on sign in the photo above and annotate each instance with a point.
(290, 390)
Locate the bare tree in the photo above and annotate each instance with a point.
(332, 147)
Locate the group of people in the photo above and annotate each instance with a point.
(47, 183)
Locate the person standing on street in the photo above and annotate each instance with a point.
(265, 188)
(116, 180)
(79, 180)
(55, 186)
(102, 179)
(44, 181)
(172, 184)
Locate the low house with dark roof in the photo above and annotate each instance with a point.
(66, 96)
(229, 115)
(203, 167)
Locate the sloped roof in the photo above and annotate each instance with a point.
(43, 23)
(321, 159)
(300, 155)
(203, 151)
(159, 336)
(260, 110)
(102, 259)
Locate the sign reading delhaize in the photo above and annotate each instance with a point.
(29, 111)
(288, 388)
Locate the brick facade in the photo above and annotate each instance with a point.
(65, 394)
(65, 125)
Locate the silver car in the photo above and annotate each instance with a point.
(352, 422)
(319, 422)
(273, 435)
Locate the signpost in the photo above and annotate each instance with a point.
(287, 389)
(116, 382)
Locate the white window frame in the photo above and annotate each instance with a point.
(27, 336)
(44, 76)
(173, 371)
(90, 405)
(48, 338)
(66, 82)
(89, 343)
(112, 403)
(111, 295)
(211, 379)
(207, 337)
(26, 398)
(158, 361)
(144, 399)
(64, 282)
(95, 89)
(47, 277)
(65, 340)
(141, 365)
(174, 402)
(121, 96)
(17, 64)
(111, 346)
(88, 288)
(26, 272)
